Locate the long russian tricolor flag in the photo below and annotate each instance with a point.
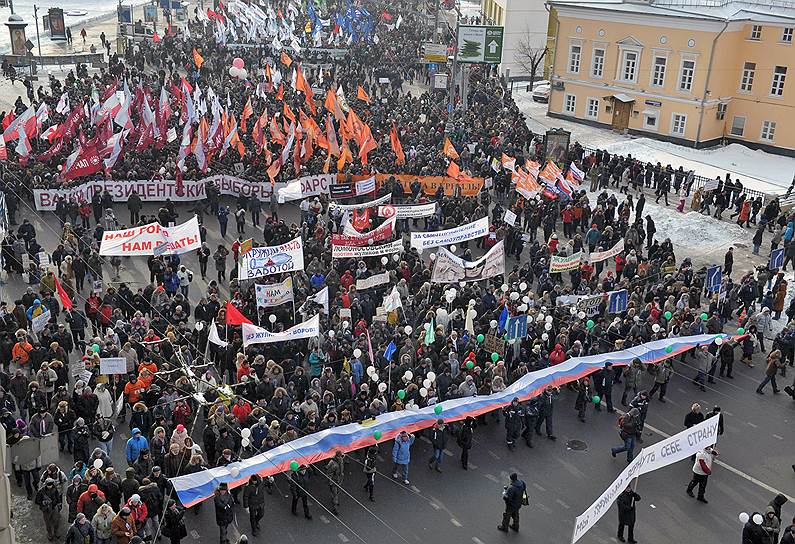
(194, 488)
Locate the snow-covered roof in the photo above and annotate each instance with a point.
(764, 11)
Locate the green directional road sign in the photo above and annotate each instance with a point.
(480, 44)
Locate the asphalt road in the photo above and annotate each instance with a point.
(465, 506)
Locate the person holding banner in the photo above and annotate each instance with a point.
(702, 468)
(626, 514)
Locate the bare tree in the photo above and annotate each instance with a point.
(529, 56)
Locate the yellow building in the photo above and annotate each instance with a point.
(695, 72)
(525, 23)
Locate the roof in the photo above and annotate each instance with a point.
(621, 97)
(769, 11)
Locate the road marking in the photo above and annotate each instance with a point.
(563, 504)
(540, 488)
(728, 414)
(492, 477)
(448, 453)
(342, 537)
(681, 390)
(425, 439)
(473, 466)
(195, 534)
(415, 489)
(476, 540)
(435, 506)
(778, 437)
(733, 470)
(753, 425)
(493, 455)
(324, 519)
(455, 522)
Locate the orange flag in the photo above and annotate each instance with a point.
(273, 170)
(396, 147)
(367, 144)
(198, 60)
(302, 85)
(280, 92)
(345, 155)
(331, 136)
(288, 113)
(276, 133)
(331, 101)
(361, 95)
(449, 149)
(327, 164)
(453, 170)
(286, 60)
(268, 72)
(248, 111)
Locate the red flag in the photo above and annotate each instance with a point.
(396, 147)
(66, 302)
(155, 37)
(234, 317)
(361, 219)
(88, 162)
(8, 118)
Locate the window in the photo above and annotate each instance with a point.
(650, 120)
(629, 66)
(738, 126)
(786, 34)
(779, 75)
(598, 63)
(678, 123)
(569, 103)
(720, 114)
(658, 72)
(592, 112)
(756, 32)
(575, 53)
(686, 73)
(768, 131)
(747, 81)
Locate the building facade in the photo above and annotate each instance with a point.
(699, 74)
(524, 21)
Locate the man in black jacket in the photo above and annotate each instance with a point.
(254, 501)
(224, 511)
(514, 414)
(465, 441)
(299, 482)
(438, 441)
(626, 514)
(514, 500)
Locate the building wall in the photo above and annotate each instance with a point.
(678, 41)
(522, 19)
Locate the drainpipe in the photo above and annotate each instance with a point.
(706, 84)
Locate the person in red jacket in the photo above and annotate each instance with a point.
(568, 221)
(241, 410)
(86, 496)
(557, 356)
(620, 262)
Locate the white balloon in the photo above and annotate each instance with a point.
(432, 256)
(549, 319)
(493, 323)
(384, 260)
(396, 257)
(427, 326)
(162, 170)
(233, 71)
(374, 377)
(426, 383)
(473, 313)
(242, 73)
(450, 296)
(512, 341)
(370, 369)
(423, 392)
(504, 288)
(234, 472)
(245, 433)
(655, 327)
(548, 326)
(540, 318)
(408, 329)
(382, 387)
(545, 337)
(758, 519)
(453, 248)
(514, 296)
(345, 324)
(522, 307)
(245, 442)
(331, 334)
(98, 464)
(409, 375)
(472, 302)
(526, 299)
(573, 310)
(462, 284)
(719, 341)
(523, 286)
(744, 517)
(581, 315)
(272, 318)
(432, 376)
(357, 353)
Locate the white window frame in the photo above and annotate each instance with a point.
(673, 132)
(747, 76)
(601, 73)
(680, 80)
(622, 56)
(566, 97)
(571, 68)
(778, 81)
(588, 102)
(742, 128)
(654, 66)
(787, 34)
(768, 127)
(756, 33)
(656, 117)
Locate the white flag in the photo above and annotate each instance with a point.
(214, 338)
(392, 301)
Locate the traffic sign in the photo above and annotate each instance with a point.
(776, 258)
(714, 274)
(517, 327)
(479, 44)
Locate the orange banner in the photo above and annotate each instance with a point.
(468, 186)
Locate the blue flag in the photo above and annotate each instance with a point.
(390, 351)
(503, 318)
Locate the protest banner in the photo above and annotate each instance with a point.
(666, 452)
(598, 256)
(359, 252)
(363, 205)
(450, 269)
(40, 321)
(590, 305)
(408, 212)
(383, 232)
(372, 281)
(264, 261)
(562, 263)
(274, 294)
(113, 365)
(365, 186)
(143, 240)
(427, 240)
(306, 186)
(257, 335)
(509, 217)
(465, 186)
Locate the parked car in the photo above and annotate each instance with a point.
(541, 90)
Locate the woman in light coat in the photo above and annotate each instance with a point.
(101, 522)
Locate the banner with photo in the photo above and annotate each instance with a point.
(470, 231)
(274, 294)
(562, 263)
(257, 335)
(598, 256)
(264, 261)
(451, 269)
(143, 240)
(383, 232)
(417, 211)
(372, 281)
(360, 252)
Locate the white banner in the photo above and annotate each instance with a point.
(363, 205)
(509, 217)
(274, 294)
(143, 240)
(264, 261)
(365, 186)
(598, 256)
(666, 452)
(345, 252)
(408, 212)
(257, 335)
(155, 190)
(113, 365)
(40, 321)
(450, 269)
(306, 186)
(427, 240)
(372, 281)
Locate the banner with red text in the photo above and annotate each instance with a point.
(143, 240)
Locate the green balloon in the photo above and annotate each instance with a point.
(495, 356)
(481, 338)
(377, 435)
(294, 466)
(668, 315)
(741, 331)
(437, 409)
(401, 394)
(95, 348)
(596, 399)
(590, 324)
(669, 349)
(704, 316)
(470, 365)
